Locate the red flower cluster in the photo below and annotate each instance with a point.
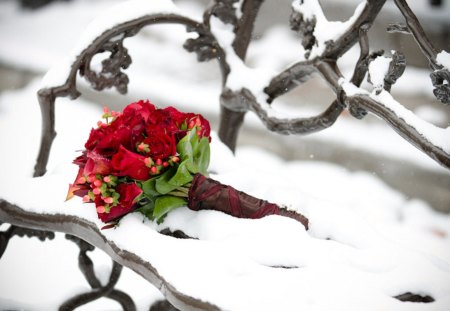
(133, 145)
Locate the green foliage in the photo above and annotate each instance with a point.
(168, 191)
(165, 204)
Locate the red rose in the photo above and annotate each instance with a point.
(162, 144)
(112, 140)
(140, 110)
(79, 187)
(205, 128)
(162, 119)
(96, 164)
(95, 136)
(106, 140)
(128, 194)
(125, 130)
(81, 160)
(197, 120)
(130, 164)
(178, 117)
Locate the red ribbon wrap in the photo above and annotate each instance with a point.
(208, 194)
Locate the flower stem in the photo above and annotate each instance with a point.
(178, 193)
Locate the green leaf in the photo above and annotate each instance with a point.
(194, 139)
(149, 188)
(184, 147)
(162, 185)
(165, 204)
(202, 155)
(182, 176)
(191, 166)
(147, 210)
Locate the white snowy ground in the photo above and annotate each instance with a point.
(381, 243)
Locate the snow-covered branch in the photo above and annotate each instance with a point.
(224, 34)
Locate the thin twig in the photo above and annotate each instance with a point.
(407, 131)
(418, 33)
(289, 79)
(361, 65)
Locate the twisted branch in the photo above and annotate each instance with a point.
(351, 36)
(234, 104)
(418, 33)
(404, 129)
(300, 72)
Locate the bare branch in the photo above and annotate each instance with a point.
(351, 36)
(231, 119)
(441, 79)
(299, 72)
(407, 131)
(396, 69)
(331, 73)
(289, 79)
(418, 33)
(234, 104)
(297, 125)
(300, 126)
(398, 28)
(244, 27)
(361, 68)
(224, 10)
(361, 65)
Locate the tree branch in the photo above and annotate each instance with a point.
(300, 126)
(300, 72)
(404, 129)
(350, 37)
(418, 33)
(244, 27)
(362, 64)
(289, 79)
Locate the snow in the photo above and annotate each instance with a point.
(443, 58)
(378, 68)
(367, 242)
(241, 76)
(118, 14)
(324, 29)
(363, 219)
(438, 136)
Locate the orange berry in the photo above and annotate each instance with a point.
(108, 200)
(98, 183)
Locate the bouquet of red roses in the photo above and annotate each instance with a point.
(154, 160)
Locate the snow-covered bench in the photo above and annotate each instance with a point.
(211, 261)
